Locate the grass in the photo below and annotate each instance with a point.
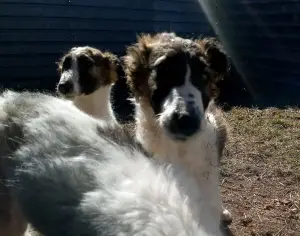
(260, 175)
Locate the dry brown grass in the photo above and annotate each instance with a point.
(261, 171)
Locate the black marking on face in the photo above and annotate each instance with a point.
(87, 82)
(171, 73)
(197, 73)
(168, 74)
(67, 63)
(199, 78)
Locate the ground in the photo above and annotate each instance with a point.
(260, 172)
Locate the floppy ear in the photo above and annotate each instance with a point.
(111, 63)
(136, 65)
(59, 64)
(216, 56)
(60, 61)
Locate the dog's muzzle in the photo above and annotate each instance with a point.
(65, 87)
(183, 124)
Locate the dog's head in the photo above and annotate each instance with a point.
(85, 69)
(176, 77)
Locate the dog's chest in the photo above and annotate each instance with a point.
(199, 157)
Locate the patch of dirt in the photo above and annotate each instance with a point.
(260, 173)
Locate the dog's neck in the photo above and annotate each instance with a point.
(97, 104)
(197, 151)
(198, 156)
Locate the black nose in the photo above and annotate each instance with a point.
(65, 87)
(184, 125)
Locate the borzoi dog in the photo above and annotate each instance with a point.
(86, 77)
(72, 174)
(173, 81)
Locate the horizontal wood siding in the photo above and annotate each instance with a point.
(186, 18)
(35, 33)
(263, 38)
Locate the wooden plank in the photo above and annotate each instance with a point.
(261, 2)
(182, 17)
(257, 7)
(29, 72)
(279, 71)
(172, 6)
(34, 48)
(41, 23)
(72, 36)
(131, 4)
(13, 61)
(273, 62)
(192, 27)
(30, 83)
(20, 10)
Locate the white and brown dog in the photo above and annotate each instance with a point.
(86, 77)
(173, 82)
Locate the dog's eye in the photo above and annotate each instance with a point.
(198, 72)
(86, 61)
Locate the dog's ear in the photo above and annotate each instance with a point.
(111, 62)
(136, 64)
(215, 55)
(59, 64)
(105, 66)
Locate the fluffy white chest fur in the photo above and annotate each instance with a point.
(198, 155)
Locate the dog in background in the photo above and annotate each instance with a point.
(72, 174)
(173, 81)
(86, 77)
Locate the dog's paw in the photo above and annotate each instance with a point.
(226, 217)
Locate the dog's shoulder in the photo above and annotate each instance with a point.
(122, 135)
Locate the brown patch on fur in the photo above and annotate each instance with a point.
(106, 67)
(137, 65)
(105, 63)
(216, 56)
(222, 131)
(217, 60)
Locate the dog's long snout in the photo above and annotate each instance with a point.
(185, 123)
(65, 87)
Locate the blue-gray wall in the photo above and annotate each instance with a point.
(263, 36)
(35, 33)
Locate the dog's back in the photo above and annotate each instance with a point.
(73, 175)
(34, 126)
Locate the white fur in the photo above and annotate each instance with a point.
(97, 104)
(128, 193)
